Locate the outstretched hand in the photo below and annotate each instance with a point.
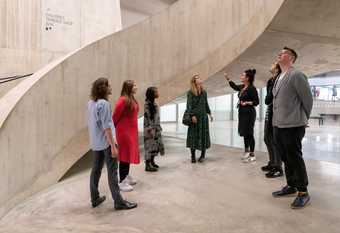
(226, 76)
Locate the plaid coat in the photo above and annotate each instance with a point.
(153, 143)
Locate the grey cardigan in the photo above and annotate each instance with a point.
(293, 101)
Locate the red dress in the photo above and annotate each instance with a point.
(125, 121)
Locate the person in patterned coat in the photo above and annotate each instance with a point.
(198, 137)
(153, 144)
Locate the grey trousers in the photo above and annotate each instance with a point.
(111, 165)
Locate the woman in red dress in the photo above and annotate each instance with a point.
(125, 120)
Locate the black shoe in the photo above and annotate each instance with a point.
(152, 161)
(285, 191)
(149, 168)
(125, 205)
(193, 155)
(266, 168)
(99, 201)
(300, 201)
(274, 173)
(201, 159)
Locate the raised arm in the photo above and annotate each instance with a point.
(232, 84)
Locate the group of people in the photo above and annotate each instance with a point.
(114, 136)
(289, 101)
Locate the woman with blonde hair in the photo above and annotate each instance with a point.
(274, 166)
(198, 137)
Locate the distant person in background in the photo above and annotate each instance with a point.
(274, 166)
(198, 137)
(248, 100)
(334, 93)
(317, 92)
(125, 119)
(314, 91)
(292, 105)
(103, 145)
(153, 144)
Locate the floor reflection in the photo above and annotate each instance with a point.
(320, 143)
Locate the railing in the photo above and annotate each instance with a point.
(12, 78)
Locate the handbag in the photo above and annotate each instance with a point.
(186, 118)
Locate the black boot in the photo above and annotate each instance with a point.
(202, 157)
(149, 167)
(152, 161)
(193, 156)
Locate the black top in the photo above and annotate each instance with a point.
(269, 98)
(249, 94)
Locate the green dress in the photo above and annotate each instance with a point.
(198, 134)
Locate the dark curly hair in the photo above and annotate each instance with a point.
(100, 89)
(250, 73)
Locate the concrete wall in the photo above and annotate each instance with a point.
(35, 32)
(42, 119)
(308, 26)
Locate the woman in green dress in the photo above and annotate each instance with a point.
(198, 137)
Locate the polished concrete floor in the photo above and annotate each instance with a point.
(321, 143)
(220, 195)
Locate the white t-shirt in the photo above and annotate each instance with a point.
(279, 79)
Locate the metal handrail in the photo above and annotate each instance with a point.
(12, 78)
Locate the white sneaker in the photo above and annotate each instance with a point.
(245, 156)
(250, 159)
(131, 180)
(124, 186)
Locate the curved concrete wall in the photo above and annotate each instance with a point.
(309, 26)
(42, 119)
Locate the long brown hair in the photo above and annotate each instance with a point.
(193, 86)
(100, 89)
(127, 93)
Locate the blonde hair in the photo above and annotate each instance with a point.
(193, 86)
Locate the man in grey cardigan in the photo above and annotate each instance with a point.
(292, 106)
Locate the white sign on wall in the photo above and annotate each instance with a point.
(60, 30)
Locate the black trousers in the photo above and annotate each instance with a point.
(193, 152)
(274, 156)
(97, 166)
(288, 141)
(124, 169)
(249, 143)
